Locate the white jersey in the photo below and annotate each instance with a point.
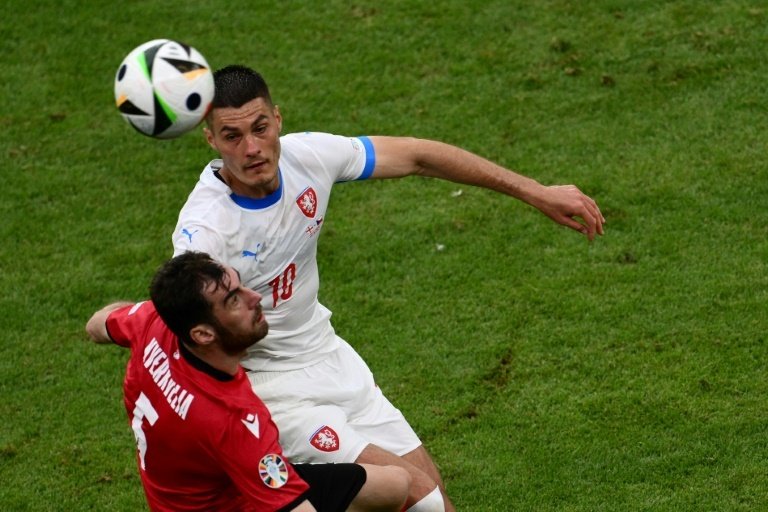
(272, 241)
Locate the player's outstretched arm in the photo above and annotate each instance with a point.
(96, 327)
(404, 156)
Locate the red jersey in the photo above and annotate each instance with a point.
(205, 440)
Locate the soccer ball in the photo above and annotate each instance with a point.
(164, 88)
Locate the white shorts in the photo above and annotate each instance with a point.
(330, 411)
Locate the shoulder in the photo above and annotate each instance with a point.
(209, 186)
(207, 214)
(129, 325)
(309, 140)
(320, 148)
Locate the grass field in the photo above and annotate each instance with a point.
(542, 372)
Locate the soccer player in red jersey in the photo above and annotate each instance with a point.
(204, 440)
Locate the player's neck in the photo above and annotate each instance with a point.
(257, 190)
(216, 358)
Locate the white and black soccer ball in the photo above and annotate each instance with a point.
(164, 88)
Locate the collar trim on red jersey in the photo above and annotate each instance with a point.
(201, 365)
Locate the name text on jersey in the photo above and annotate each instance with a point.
(156, 362)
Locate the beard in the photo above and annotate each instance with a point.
(233, 343)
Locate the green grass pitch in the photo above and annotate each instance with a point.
(542, 372)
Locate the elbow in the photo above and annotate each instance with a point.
(96, 328)
(92, 330)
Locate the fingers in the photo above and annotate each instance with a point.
(595, 211)
(592, 218)
(592, 226)
(577, 226)
(577, 205)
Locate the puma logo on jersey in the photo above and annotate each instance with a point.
(186, 232)
(251, 254)
(251, 422)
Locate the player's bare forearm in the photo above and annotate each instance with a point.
(404, 156)
(566, 205)
(96, 327)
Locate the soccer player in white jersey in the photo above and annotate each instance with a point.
(261, 207)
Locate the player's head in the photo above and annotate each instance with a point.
(243, 126)
(236, 85)
(204, 303)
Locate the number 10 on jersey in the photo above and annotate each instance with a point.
(282, 285)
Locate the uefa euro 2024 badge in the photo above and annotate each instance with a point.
(273, 471)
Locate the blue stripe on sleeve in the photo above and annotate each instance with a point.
(370, 158)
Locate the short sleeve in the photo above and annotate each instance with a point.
(197, 237)
(254, 461)
(125, 324)
(344, 158)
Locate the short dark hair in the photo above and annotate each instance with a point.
(177, 292)
(236, 85)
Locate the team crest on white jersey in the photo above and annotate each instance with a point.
(325, 439)
(307, 202)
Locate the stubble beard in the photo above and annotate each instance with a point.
(235, 344)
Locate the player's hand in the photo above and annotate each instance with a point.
(569, 206)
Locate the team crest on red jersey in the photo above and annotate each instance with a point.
(307, 202)
(325, 439)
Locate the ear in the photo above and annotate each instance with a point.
(203, 334)
(209, 138)
(279, 117)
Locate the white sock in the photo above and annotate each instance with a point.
(432, 502)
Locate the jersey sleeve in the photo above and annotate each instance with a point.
(365, 154)
(194, 236)
(344, 158)
(254, 461)
(204, 222)
(128, 323)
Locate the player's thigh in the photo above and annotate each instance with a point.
(421, 458)
(329, 411)
(369, 411)
(326, 433)
(383, 425)
(319, 433)
(421, 483)
(386, 488)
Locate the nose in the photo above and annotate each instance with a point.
(254, 297)
(252, 146)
